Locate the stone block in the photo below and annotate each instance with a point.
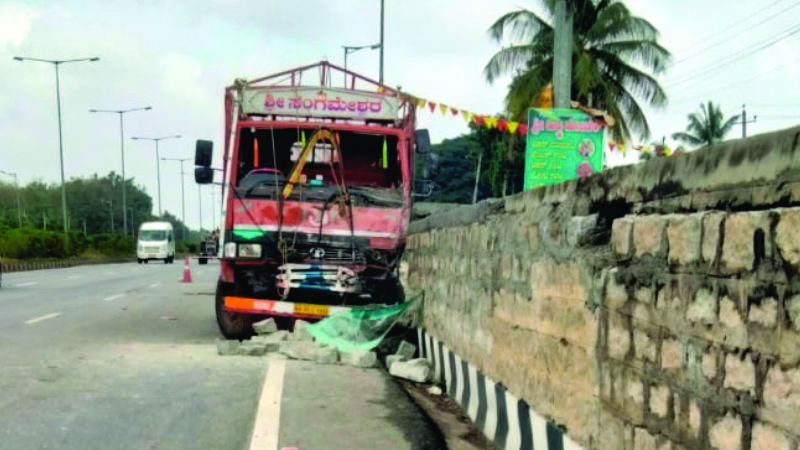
(326, 355)
(391, 359)
(619, 342)
(636, 391)
(406, 350)
(275, 337)
(360, 359)
(417, 370)
(659, 400)
(643, 440)
(782, 390)
(582, 230)
(740, 373)
(249, 348)
(643, 346)
(683, 235)
(709, 365)
(711, 234)
(265, 326)
(787, 235)
(793, 308)
(648, 234)
(765, 314)
(300, 332)
(766, 437)
(726, 434)
(671, 354)
(644, 295)
(694, 418)
(621, 235)
(303, 350)
(702, 309)
(227, 348)
(616, 295)
(738, 253)
(728, 314)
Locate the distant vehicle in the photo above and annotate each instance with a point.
(156, 241)
(209, 248)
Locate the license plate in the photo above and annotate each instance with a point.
(311, 310)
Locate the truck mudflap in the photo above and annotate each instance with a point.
(331, 278)
(280, 308)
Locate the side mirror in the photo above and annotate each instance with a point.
(203, 175)
(423, 140)
(203, 152)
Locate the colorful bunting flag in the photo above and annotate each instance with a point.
(454, 111)
(443, 108)
(523, 129)
(512, 127)
(491, 122)
(432, 106)
(467, 115)
(502, 125)
(420, 103)
(478, 120)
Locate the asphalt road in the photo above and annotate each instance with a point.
(123, 357)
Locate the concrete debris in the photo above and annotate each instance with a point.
(256, 348)
(391, 359)
(326, 355)
(360, 359)
(265, 326)
(301, 332)
(227, 348)
(278, 336)
(406, 349)
(304, 350)
(435, 390)
(417, 370)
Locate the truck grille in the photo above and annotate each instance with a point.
(307, 251)
(152, 249)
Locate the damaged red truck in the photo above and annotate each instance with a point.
(318, 191)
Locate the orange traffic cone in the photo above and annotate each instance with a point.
(187, 273)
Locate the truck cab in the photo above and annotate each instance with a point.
(317, 183)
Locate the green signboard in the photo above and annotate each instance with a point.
(563, 144)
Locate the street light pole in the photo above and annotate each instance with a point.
(19, 205)
(183, 196)
(562, 54)
(158, 161)
(381, 44)
(57, 63)
(121, 112)
(200, 204)
(111, 212)
(352, 49)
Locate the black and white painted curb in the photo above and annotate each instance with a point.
(508, 421)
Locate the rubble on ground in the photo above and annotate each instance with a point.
(417, 370)
(406, 349)
(265, 326)
(391, 359)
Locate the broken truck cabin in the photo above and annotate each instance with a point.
(317, 183)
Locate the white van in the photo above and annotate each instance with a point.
(156, 241)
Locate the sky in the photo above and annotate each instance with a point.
(177, 57)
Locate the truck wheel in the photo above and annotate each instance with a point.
(202, 261)
(231, 325)
(140, 260)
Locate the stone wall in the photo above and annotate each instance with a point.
(649, 307)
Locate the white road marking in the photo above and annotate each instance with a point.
(31, 283)
(268, 416)
(111, 273)
(113, 297)
(74, 277)
(40, 319)
(155, 285)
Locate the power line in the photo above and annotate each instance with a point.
(733, 25)
(692, 55)
(739, 83)
(722, 63)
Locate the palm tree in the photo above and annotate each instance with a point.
(609, 44)
(706, 127)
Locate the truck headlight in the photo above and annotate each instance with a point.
(230, 250)
(250, 250)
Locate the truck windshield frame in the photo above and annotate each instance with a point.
(152, 235)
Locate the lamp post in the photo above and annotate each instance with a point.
(16, 186)
(200, 204)
(183, 196)
(121, 113)
(55, 64)
(133, 222)
(158, 161)
(352, 49)
(380, 76)
(111, 212)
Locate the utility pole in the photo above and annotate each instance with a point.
(745, 121)
(158, 162)
(477, 178)
(381, 69)
(133, 223)
(183, 195)
(111, 212)
(562, 61)
(200, 204)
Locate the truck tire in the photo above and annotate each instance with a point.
(202, 261)
(231, 325)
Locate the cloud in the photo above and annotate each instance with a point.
(16, 20)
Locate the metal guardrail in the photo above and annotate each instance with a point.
(24, 266)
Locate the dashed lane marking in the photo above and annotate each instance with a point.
(154, 285)
(43, 318)
(265, 430)
(30, 283)
(113, 297)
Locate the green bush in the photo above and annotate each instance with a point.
(27, 243)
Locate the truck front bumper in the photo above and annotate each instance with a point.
(281, 308)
